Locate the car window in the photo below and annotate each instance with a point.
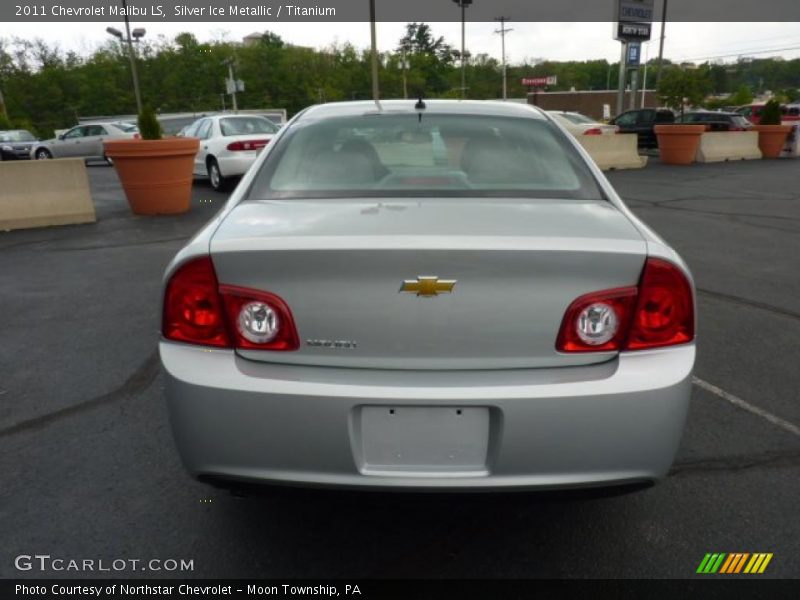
(645, 116)
(664, 116)
(204, 129)
(626, 119)
(16, 135)
(578, 118)
(75, 132)
(127, 127)
(391, 155)
(96, 130)
(191, 130)
(246, 126)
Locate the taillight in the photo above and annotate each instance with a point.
(197, 310)
(593, 131)
(597, 322)
(664, 313)
(259, 320)
(136, 136)
(659, 312)
(248, 145)
(193, 307)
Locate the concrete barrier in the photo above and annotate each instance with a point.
(718, 146)
(792, 147)
(40, 193)
(619, 151)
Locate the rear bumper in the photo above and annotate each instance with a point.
(235, 164)
(615, 423)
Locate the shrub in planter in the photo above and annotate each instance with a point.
(156, 173)
(772, 135)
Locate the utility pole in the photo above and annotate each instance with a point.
(463, 5)
(503, 31)
(404, 66)
(376, 92)
(661, 42)
(232, 83)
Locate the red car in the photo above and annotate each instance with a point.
(790, 112)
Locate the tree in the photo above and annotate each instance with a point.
(679, 86)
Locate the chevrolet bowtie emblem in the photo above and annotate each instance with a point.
(428, 286)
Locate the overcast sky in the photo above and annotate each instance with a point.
(553, 41)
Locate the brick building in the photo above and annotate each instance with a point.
(588, 103)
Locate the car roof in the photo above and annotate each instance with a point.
(455, 107)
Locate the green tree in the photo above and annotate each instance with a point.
(679, 86)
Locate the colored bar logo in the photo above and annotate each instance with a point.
(734, 563)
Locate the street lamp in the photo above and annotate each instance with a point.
(128, 39)
(463, 4)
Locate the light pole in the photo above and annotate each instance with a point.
(232, 85)
(503, 31)
(463, 5)
(138, 34)
(376, 92)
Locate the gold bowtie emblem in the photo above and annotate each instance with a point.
(428, 286)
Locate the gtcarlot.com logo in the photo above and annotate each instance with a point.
(734, 563)
(46, 562)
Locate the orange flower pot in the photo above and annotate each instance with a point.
(772, 139)
(677, 144)
(155, 174)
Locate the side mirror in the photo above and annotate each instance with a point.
(61, 136)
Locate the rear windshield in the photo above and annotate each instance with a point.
(398, 155)
(126, 127)
(246, 125)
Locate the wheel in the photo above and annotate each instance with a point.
(218, 182)
(43, 154)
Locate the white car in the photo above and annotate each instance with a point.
(578, 124)
(228, 145)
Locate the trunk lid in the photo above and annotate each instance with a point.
(340, 265)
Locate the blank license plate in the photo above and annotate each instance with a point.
(415, 440)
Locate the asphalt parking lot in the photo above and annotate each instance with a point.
(90, 471)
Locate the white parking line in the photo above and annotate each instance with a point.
(736, 401)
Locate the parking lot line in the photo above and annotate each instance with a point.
(736, 401)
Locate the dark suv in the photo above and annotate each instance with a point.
(717, 121)
(641, 122)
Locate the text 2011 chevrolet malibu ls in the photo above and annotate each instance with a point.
(442, 295)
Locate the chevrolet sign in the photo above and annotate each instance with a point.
(634, 11)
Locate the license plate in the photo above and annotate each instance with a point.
(414, 440)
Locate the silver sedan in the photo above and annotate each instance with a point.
(443, 295)
(84, 141)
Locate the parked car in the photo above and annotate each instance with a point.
(15, 144)
(641, 121)
(716, 121)
(789, 112)
(228, 145)
(84, 141)
(578, 124)
(427, 295)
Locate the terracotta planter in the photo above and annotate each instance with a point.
(155, 174)
(677, 144)
(772, 138)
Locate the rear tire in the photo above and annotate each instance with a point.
(218, 182)
(43, 154)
